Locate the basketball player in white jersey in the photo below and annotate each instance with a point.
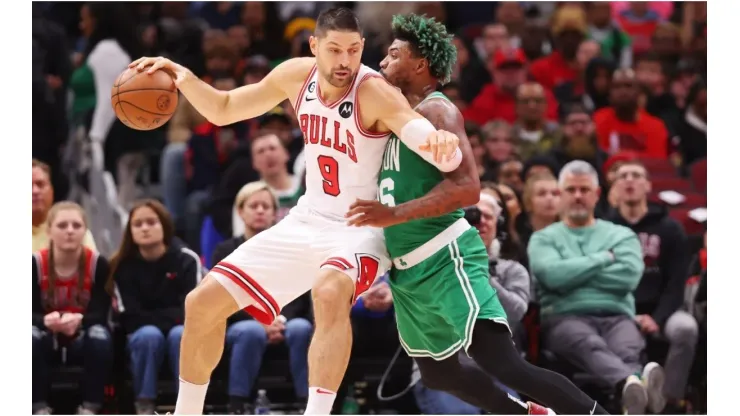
(346, 112)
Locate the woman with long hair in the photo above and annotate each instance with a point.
(70, 308)
(541, 200)
(247, 339)
(151, 274)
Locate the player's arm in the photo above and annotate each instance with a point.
(390, 110)
(460, 187)
(227, 107)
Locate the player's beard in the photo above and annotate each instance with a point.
(340, 83)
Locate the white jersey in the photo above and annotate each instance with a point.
(342, 158)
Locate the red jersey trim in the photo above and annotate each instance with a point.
(335, 103)
(358, 119)
(303, 89)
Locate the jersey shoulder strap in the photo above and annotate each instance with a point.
(435, 94)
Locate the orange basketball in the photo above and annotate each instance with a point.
(142, 101)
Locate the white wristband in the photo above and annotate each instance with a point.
(414, 135)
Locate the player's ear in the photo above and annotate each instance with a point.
(421, 65)
(313, 42)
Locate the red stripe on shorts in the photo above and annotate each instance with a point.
(270, 308)
(345, 264)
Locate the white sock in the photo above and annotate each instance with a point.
(190, 398)
(320, 401)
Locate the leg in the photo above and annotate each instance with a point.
(146, 348)
(97, 359)
(260, 276)
(206, 309)
(246, 341)
(42, 350)
(298, 336)
(494, 351)
(575, 340)
(435, 402)
(467, 382)
(174, 338)
(174, 183)
(331, 345)
(682, 332)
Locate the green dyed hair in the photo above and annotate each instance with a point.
(428, 39)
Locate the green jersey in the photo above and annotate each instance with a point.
(405, 176)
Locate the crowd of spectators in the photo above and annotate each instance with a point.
(587, 120)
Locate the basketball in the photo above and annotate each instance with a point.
(142, 101)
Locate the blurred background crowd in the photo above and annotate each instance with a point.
(126, 223)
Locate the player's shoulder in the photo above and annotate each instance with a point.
(294, 68)
(373, 86)
(440, 109)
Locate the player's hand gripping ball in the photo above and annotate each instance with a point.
(144, 96)
(442, 144)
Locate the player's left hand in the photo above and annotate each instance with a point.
(371, 213)
(442, 144)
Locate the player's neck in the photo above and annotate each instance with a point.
(330, 93)
(417, 94)
(280, 181)
(633, 212)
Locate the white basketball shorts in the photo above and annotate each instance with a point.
(280, 264)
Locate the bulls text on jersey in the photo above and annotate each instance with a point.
(314, 128)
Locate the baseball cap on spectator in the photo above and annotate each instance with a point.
(509, 58)
(298, 25)
(276, 114)
(569, 18)
(617, 159)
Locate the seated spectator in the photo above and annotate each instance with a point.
(624, 126)
(659, 296)
(497, 101)
(559, 70)
(270, 160)
(70, 309)
(639, 21)
(578, 141)
(532, 132)
(597, 80)
(541, 201)
(692, 130)
(475, 138)
(509, 173)
(151, 274)
(615, 44)
(585, 272)
(506, 198)
(650, 71)
(247, 339)
(42, 196)
(540, 165)
(498, 145)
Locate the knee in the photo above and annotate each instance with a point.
(99, 339)
(333, 292)
(297, 330)
(147, 337)
(40, 340)
(682, 328)
(246, 332)
(202, 306)
(175, 335)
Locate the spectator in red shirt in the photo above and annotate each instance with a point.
(569, 29)
(640, 22)
(624, 126)
(498, 99)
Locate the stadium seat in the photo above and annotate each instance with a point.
(691, 226)
(698, 172)
(693, 200)
(659, 168)
(677, 184)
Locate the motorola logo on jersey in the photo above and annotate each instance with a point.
(345, 109)
(312, 86)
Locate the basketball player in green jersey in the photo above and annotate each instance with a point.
(439, 280)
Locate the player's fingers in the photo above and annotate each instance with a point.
(425, 148)
(137, 62)
(434, 145)
(356, 211)
(159, 64)
(361, 203)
